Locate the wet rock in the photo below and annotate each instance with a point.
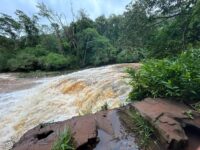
(43, 136)
(106, 130)
(169, 119)
(99, 131)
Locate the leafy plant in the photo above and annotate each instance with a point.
(64, 142)
(177, 78)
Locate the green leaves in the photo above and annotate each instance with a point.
(54, 61)
(175, 78)
(93, 48)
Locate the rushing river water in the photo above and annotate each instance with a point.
(60, 98)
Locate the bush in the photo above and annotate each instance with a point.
(27, 59)
(37, 51)
(3, 60)
(23, 62)
(127, 56)
(54, 61)
(172, 78)
(37, 58)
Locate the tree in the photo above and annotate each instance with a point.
(101, 24)
(46, 12)
(29, 25)
(136, 29)
(9, 28)
(94, 49)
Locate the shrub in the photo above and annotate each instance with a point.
(23, 62)
(54, 61)
(64, 142)
(173, 78)
(3, 61)
(128, 56)
(37, 51)
(27, 59)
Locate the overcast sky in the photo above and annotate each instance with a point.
(94, 8)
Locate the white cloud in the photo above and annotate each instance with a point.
(94, 8)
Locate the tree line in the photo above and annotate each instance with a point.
(146, 29)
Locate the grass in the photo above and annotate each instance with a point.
(140, 127)
(64, 142)
(143, 129)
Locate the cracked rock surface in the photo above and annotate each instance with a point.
(170, 120)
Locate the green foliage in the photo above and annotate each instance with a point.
(142, 128)
(94, 49)
(23, 62)
(104, 107)
(176, 78)
(26, 59)
(189, 114)
(3, 61)
(64, 142)
(129, 56)
(196, 106)
(29, 25)
(35, 51)
(55, 61)
(50, 43)
(161, 28)
(83, 22)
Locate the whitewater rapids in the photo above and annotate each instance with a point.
(60, 98)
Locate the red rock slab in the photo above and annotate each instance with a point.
(168, 118)
(83, 129)
(42, 137)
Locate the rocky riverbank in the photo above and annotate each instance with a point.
(176, 128)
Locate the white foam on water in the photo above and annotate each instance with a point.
(61, 98)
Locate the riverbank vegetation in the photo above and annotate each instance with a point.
(177, 78)
(146, 29)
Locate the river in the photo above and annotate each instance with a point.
(25, 103)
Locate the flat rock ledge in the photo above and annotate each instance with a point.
(177, 128)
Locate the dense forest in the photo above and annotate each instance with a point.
(146, 29)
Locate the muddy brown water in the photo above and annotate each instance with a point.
(25, 103)
(10, 83)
